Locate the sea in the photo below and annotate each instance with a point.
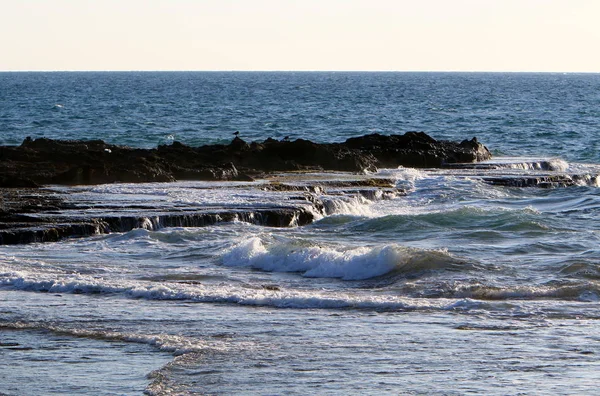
(455, 284)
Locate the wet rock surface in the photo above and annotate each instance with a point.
(545, 181)
(30, 212)
(45, 161)
(29, 215)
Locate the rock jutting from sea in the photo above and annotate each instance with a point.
(44, 161)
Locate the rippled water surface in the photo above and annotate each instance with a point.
(513, 113)
(454, 284)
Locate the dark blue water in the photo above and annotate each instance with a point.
(513, 113)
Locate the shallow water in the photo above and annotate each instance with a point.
(454, 285)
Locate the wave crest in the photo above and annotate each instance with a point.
(582, 291)
(317, 261)
(552, 164)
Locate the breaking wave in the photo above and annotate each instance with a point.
(317, 261)
(224, 293)
(459, 218)
(553, 164)
(461, 297)
(580, 291)
(353, 206)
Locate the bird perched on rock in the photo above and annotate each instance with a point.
(236, 133)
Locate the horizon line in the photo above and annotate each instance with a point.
(288, 71)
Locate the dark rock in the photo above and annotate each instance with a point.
(239, 145)
(40, 215)
(45, 161)
(418, 150)
(371, 182)
(547, 181)
(53, 230)
(17, 182)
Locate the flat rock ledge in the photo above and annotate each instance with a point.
(29, 215)
(44, 161)
(40, 229)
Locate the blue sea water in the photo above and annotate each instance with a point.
(458, 286)
(513, 113)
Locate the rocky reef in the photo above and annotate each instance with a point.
(44, 161)
(29, 213)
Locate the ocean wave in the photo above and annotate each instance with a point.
(460, 298)
(580, 269)
(356, 205)
(175, 344)
(466, 217)
(586, 180)
(347, 263)
(580, 291)
(401, 174)
(169, 236)
(247, 295)
(553, 164)
(186, 350)
(528, 164)
(405, 178)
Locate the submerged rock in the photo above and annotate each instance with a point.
(31, 215)
(52, 230)
(45, 161)
(544, 181)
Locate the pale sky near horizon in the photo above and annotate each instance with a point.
(394, 35)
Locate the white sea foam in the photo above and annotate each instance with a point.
(557, 164)
(530, 164)
(463, 298)
(354, 206)
(404, 177)
(588, 180)
(402, 173)
(175, 344)
(318, 261)
(210, 293)
(582, 291)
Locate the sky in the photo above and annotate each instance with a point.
(345, 35)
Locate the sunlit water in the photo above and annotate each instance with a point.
(457, 287)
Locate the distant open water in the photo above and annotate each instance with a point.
(513, 113)
(458, 287)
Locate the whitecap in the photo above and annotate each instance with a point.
(211, 293)
(347, 263)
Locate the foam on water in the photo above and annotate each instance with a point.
(140, 200)
(529, 164)
(215, 293)
(185, 350)
(396, 217)
(483, 266)
(403, 175)
(355, 205)
(175, 344)
(581, 291)
(347, 263)
(588, 180)
(499, 301)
